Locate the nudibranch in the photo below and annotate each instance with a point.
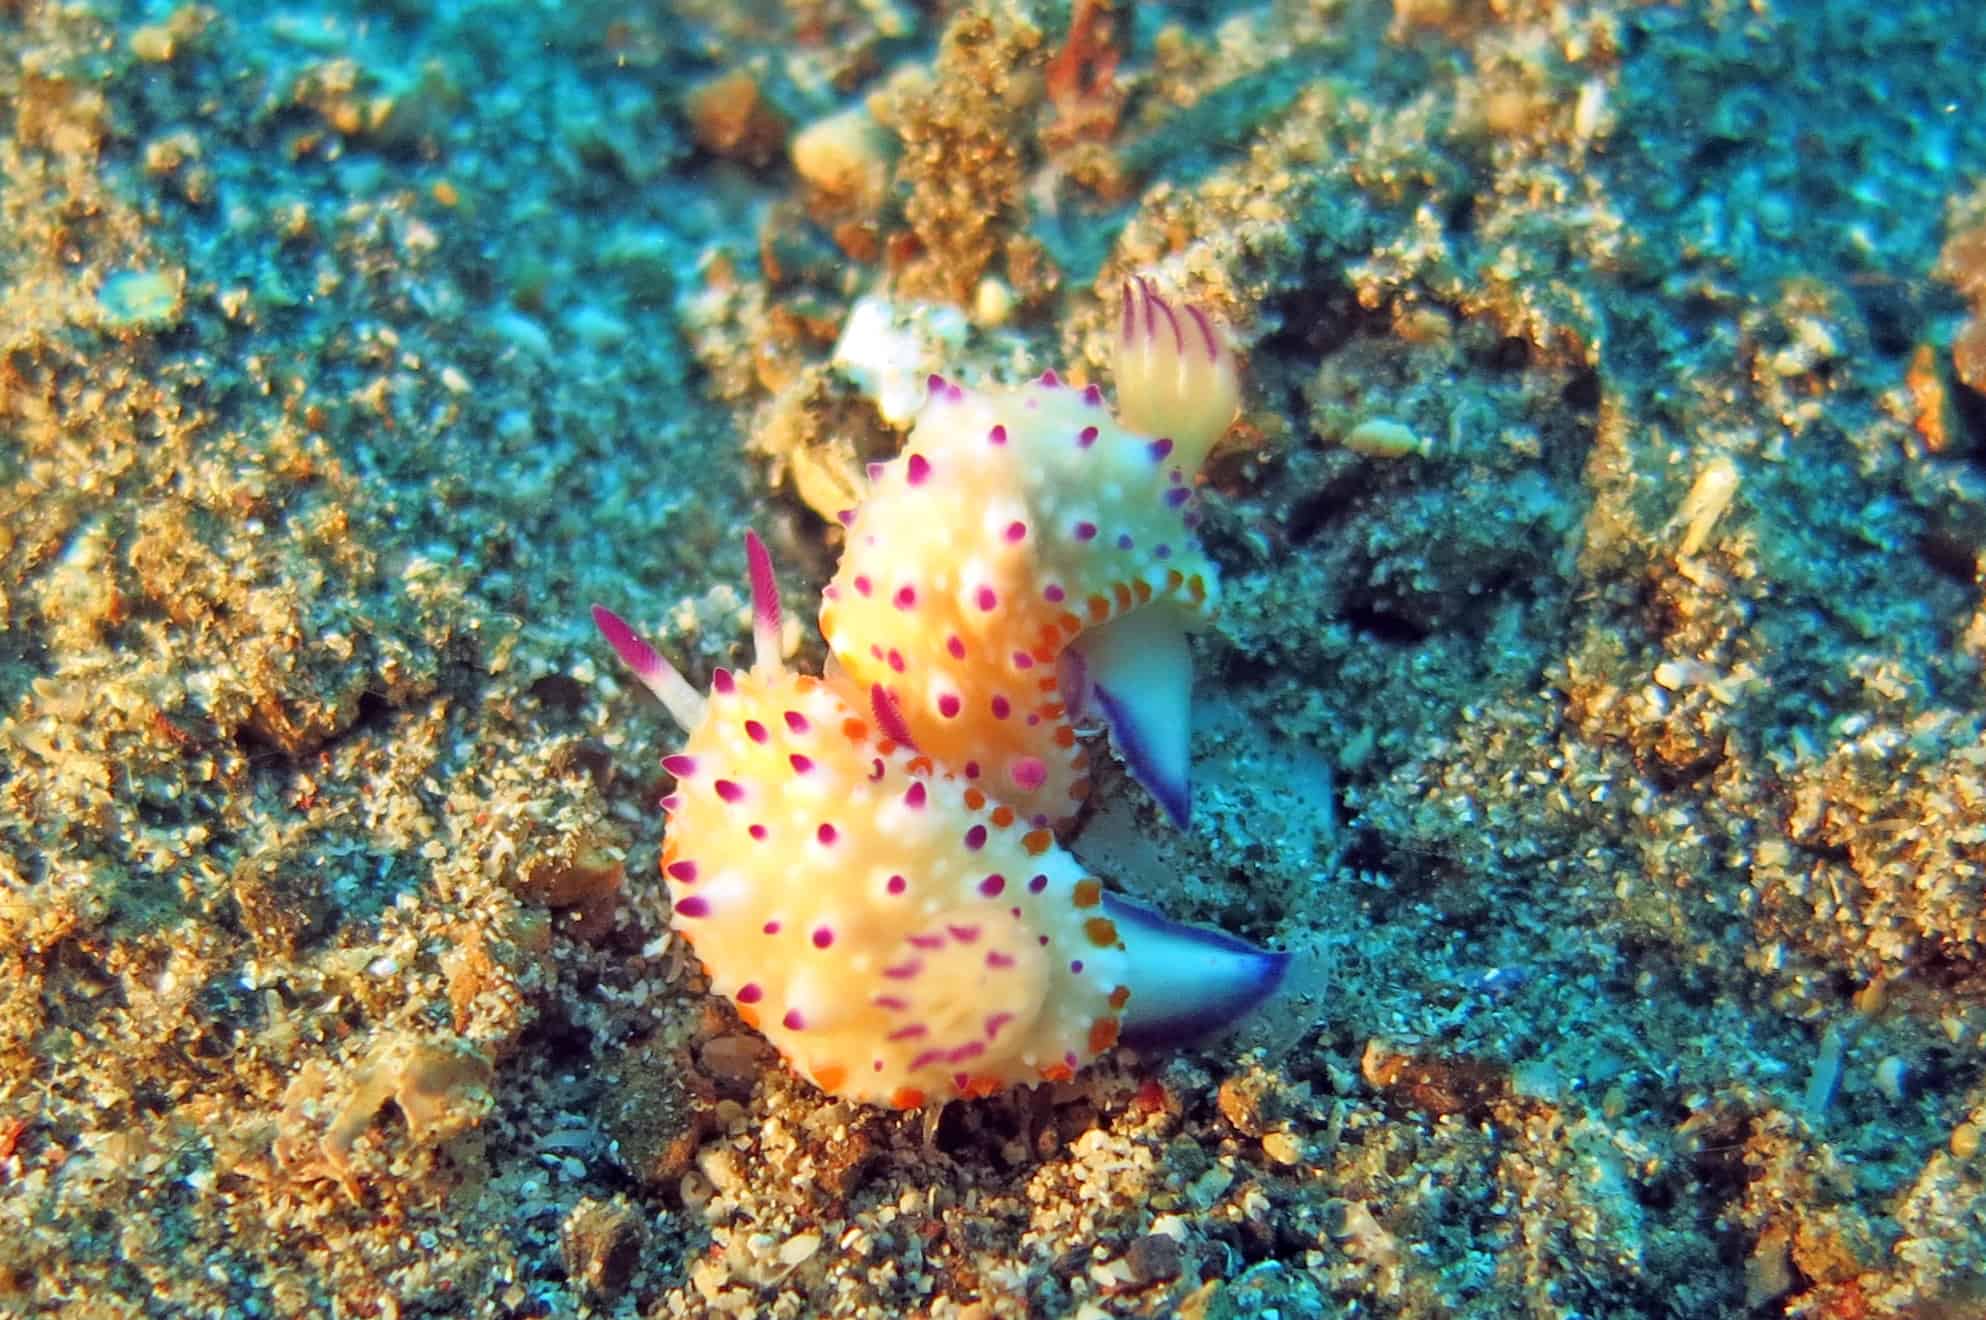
(902, 936)
(1028, 557)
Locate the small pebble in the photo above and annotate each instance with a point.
(1153, 1258)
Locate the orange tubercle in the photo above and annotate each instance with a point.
(1103, 1034)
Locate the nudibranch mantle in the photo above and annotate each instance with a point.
(901, 936)
(1027, 556)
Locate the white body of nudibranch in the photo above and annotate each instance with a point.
(899, 935)
(1029, 557)
(863, 862)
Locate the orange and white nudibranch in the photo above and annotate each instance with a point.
(1030, 557)
(897, 931)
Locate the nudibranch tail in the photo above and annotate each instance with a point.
(1137, 671)
(1176, 375)
(684, 703)
(1186, 981)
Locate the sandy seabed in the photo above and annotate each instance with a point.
(1595, 707)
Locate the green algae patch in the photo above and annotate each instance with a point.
(142, 300)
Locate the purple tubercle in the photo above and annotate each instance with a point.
(1093, 396)
(917, 470)
(1027, 773)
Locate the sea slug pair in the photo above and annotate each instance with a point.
(865, 861)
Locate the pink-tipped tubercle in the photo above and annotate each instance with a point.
(765, 603)
(684, 703)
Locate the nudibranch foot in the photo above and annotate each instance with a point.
(1187, 981)
(1176, 375)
